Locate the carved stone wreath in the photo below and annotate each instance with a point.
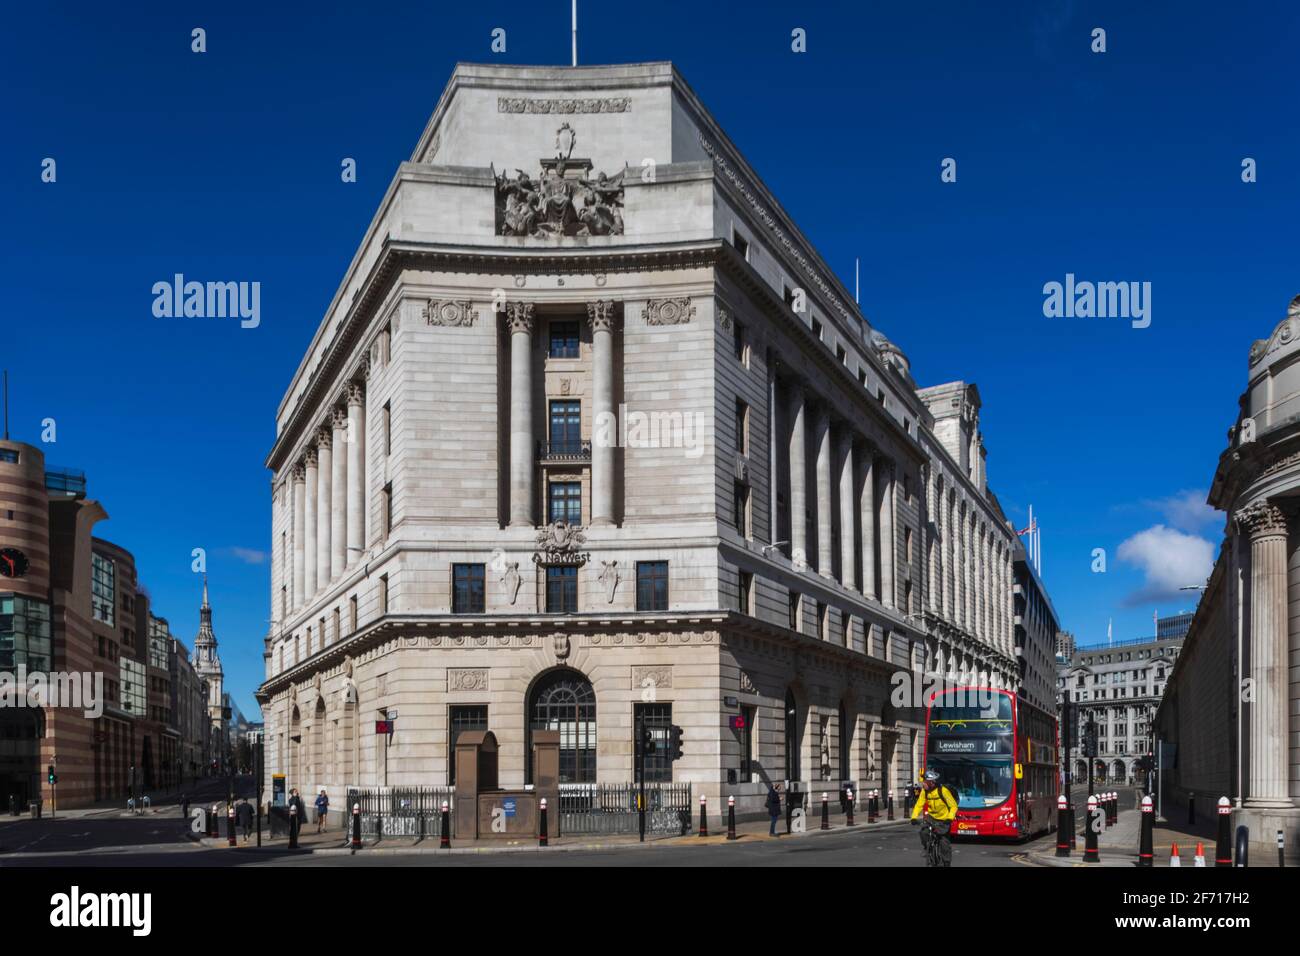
(668, 311)
(451, 312)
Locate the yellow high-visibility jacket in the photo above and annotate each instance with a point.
(939, 803)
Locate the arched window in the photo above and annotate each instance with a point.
(791, 737)
(565, 701)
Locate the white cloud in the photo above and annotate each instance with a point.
(250, 555)
(1169, 559)
(1187, 510)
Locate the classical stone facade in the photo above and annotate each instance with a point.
(1234, 701)
(568, 451)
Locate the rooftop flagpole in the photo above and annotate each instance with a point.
(575, 32)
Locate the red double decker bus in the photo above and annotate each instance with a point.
(997, 753)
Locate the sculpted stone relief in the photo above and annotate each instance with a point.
(563, 200)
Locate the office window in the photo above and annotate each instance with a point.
(467, 589)
(658, 719)
(566, 427)
(102, 588)
(742, 427)
(352, 614)
(817, 329)
(338, 625)
(794, 610)
(740, 503)
(383, 594)
(563, 339)
(561, 590)
(746, 595)
(9, 455)
(738, 345)
(821, 620)
(461, 719)
(564, 502)
(862, 377)
(652, 585)
(841, 354)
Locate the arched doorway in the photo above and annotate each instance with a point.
(318, 744)
(564, 700)
(791, 736)
(295, 748)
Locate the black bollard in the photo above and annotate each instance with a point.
(1093, 823)
(1191, 809)
(1281, 849)
(444, 842)
(731, 816)
(1223, 848)
(185, 808)
(889, 813)
(1113, 804)
(356, 826)
(542, 838)
(1062, 827)
(1146, 849)
(1243, 846)
(871, 807)
(230, 825)
(849, 806)
(704, 817)
(826, 811)
(293, 827)
(212, 822)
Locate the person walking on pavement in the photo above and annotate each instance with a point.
(244, 814)
(185, 806)
(322, 808)
(773, 806)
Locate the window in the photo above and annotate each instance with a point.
(24, 633)
(563, 339)
(388, 509)
(747, 715)
(862, 377)
(738, 346)
(561, 590)
(817, 329)
(741, 245)
(907, 544)
(821, 620)
(383, 594)
(841, 354)
(658, 718)
(652, 585)
(791, 737)
(741, 505)
(352, 615)
(565, 502)
(134, 692)
(461, 719)
(566, 701)
(102, 588)
(746, 600)
(794, 610)
(789, 295)
(742, 428)
(566, 427)
(338, 625)
(467, 595)
(9, 455)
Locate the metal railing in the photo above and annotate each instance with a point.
(564, 450)
(400, 811)
(595, 808)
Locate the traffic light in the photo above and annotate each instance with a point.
(50, 776)
(646, 744)
(674, 742)
(1090, 739)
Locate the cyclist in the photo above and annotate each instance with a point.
(940, 808)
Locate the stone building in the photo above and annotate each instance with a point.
(1037, 632)
(189, 701)
(207, 665)
(1233, 705)
(591, 433)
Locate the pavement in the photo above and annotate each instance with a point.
(1117, 845)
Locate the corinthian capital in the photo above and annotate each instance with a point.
(356, 393)
(600, 314)
(339, 418)
(309, 460)
(1262, 518)
(519, 317)
(324, 437)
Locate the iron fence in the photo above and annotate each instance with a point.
(399, 811)
(595, 808)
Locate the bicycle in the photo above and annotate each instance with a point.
(932, 845)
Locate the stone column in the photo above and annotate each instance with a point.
(1267, 527)
(356, 501)
(888, 547)
(848, 514)
(825, 516)
(324, 490)
(867, 513)
(299, 516)
(604, 423)
(930, 529)
(798, 480)
(954, 559)
(519, 322)
(773, 518)
(968, 567)
(339, 494)
(311, 475)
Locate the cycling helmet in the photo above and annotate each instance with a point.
(932, 776)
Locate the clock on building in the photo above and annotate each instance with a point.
(13, 563)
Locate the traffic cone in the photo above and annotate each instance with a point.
(1173, 857)
(1199, 859)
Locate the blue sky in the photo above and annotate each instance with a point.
(1122, 166)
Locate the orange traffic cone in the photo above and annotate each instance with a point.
(1173, 857)
(1199, 859)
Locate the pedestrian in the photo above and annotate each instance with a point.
(773, 806)
(322, 808)
(146, 801)
(244, 814)
(185, 806)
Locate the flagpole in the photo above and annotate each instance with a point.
(575, 32)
